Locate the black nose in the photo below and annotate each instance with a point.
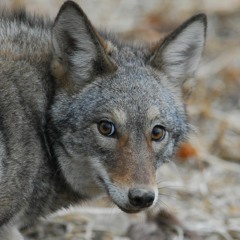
(140, 197)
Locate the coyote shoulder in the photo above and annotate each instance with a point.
(82, 114)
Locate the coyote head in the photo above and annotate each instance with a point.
(118, 113)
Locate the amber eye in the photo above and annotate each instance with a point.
(158, 133)
(106, 128)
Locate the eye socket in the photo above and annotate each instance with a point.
(106, 128)
(158, 133)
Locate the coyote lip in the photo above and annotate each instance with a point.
(130, 211)
(126, 210)
(102, 181)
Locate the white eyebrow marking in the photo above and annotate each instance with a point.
(120, 116)
(152, 113)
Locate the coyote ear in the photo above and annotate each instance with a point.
(179, 54)
(79, 52)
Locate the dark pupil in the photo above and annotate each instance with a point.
(106, 127)
(157, 132)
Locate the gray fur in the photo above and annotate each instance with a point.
(58, 80)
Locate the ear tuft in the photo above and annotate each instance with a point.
(179, 54)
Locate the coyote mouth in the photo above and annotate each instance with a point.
(128, 209)
(100, 179)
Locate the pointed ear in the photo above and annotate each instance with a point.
(79, 52)
(179, 54)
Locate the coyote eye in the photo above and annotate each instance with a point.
(106, 128)
(158, 133)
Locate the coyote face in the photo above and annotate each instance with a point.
(120, 139)
(118, 113)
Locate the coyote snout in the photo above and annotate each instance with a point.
(132, 193)
(133, 199)
(127, 170)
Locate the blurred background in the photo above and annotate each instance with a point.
(200, 190)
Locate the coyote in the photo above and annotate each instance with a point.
(83, 114)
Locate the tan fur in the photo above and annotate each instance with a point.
(123, 141)
(149, 143)
(60, 72)
(128, 169)
(8, 54)
(110, 47)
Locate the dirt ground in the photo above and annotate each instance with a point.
(200, 193)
